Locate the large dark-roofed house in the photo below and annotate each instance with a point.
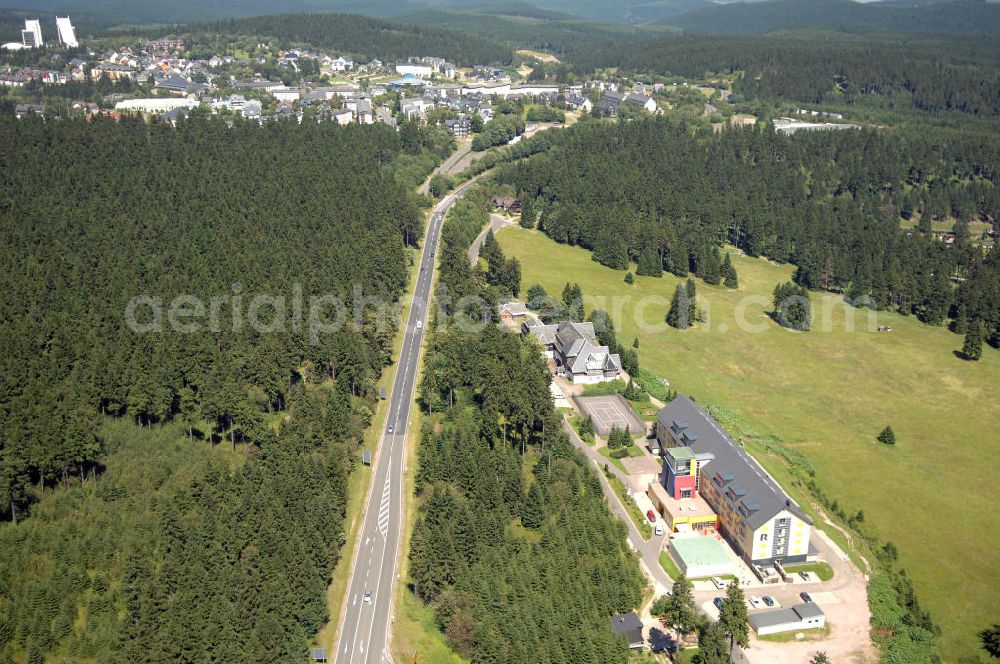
(756, 516)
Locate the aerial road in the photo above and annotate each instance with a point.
(365, 618)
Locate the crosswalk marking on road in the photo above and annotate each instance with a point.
(383, 510)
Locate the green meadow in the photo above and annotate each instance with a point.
(827, 393)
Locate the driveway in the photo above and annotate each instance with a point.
(647, 550)
(496, 223)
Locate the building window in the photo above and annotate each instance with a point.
(685, 493)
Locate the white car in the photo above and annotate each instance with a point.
(367, 598)
(719, 583)
(658, 529)
(420, 324)
(754, 601)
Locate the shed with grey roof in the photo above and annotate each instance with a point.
(801, 616)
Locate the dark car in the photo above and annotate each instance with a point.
(805, 597)
(718, 603)
(768, 600)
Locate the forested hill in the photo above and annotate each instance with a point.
(374, 38)
(514, 547)
(929, 75)
(829, 202)
(962, 17)
(135, 556)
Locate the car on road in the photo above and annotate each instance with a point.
(719, 583)
(651, 515)
(754, 601)
(768, 600)
(390, 428)
(658, 529)
(367, 598)
(718, 603)
(806, 597)
(420, 324)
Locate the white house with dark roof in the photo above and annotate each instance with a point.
(758, 519)
(575, 349)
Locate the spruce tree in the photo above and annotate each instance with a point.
(678, 316)
(729, 277)
(650, 264)
(733, 618)
(679, 259)
(691, 302)
(533, 508)
(972, 349)
(712, 272)
(629, 279)
(527, 212)
(887, 436)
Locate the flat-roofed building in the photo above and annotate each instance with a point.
(788, 619)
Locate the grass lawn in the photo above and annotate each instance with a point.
(638, 518)
(787, 637)
(827, 393)
(822, 570)
(633, 451)
(686, 656)
(669, 566)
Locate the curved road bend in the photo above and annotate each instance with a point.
(364, 629)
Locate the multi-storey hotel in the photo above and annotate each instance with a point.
(753, 513)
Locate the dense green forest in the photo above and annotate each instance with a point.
(828, 202)
(373, 38)
(514, 547)
(932, 75)
(962, 16)
(131, 563)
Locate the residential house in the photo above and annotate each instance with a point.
(506, 204)
(174, 83)
(755, 515)
(342, 64)
(577, 101)
(385, 116)
(252, 109)
(575, 350)
(20, 110)
(513, 313)
(647, 103)
(343, 117)
(459, 128)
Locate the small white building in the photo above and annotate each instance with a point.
(418, 69)
(790, 619)
(155, 104)
(285, 94)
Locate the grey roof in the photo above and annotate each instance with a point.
(629, 626)
(546, 334)
(791, 615)
(758, 494)
(577, 342)
(174, 82)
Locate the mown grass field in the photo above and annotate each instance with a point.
(828, 393)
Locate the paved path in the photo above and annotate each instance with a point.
(496, 223)
(464, 146)
(364, 632)
(648, 550)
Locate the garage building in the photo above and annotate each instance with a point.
(792, 618)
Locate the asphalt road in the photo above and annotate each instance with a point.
(365, 619)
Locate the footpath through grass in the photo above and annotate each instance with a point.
(827, 393)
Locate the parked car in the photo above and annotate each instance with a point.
(658, 529)
(754, 601)
(719, 583)
(768, 600)
(805, 597)
(651, 515)
(718, 603)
